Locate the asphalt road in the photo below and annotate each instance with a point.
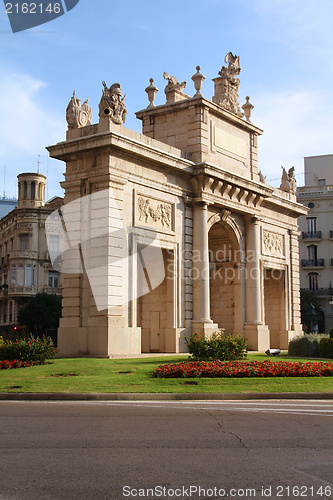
(198, 450)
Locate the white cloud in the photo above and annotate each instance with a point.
(304, 26)
(28, 125)
(27, 122)
(296, 124)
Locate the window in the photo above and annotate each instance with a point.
(53, 245)
(311, 205)
(312, 252)
(321, 182)
(33, 190)
(53, 279)
(311, 223)
(24, 241)
(12, 243)
(28, 275)
(13, 276)
(313, 281)
(20, 275)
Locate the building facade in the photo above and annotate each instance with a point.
(25, 267)
(173, 231)
(316, 239)
(7, 205)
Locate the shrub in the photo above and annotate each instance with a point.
(331, 333)
(305, 346)
(326, 348)
(31, 349)
(219, 346)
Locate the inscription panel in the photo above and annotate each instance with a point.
(230, 142)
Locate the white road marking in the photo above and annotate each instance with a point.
(322, 408)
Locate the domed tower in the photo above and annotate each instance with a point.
(31, 190)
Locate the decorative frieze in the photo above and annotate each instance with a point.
(273, 244)
(153, 212)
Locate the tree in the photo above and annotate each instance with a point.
(308, 299)
(42, 312)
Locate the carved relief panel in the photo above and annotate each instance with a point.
(153, 212)
(273, 244)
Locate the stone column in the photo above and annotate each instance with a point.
(253, 278)
(295, 320)
(202, 322)
(256, 332)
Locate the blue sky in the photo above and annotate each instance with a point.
(286, 55)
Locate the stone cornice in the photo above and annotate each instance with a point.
(131, 146)
(286, 206)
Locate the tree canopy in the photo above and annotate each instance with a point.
(42, 312)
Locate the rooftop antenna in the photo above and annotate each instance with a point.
(4, 182)
(47, 172)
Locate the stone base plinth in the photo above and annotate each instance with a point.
(99, 341)
(258, 337)
(286, 336)
(205, 329)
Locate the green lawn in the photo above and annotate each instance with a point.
(135, 375)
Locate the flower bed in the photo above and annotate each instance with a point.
(30, 349)
(16, 363)
(237, 369)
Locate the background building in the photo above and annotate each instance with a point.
(7, 205)
(316, 238)
(25, 267)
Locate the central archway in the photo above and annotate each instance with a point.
(226, 276)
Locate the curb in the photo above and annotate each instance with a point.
(57, 396)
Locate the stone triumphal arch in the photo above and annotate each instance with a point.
(174, 230)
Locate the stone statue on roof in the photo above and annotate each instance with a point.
(173, 83)
(288, 181)
(112, 104)
(78, 116)
(226, 87)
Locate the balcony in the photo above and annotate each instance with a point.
(52, 290)
(312, 263)
(3, 290)
(311, 235)
(23, 254)
(21, 290)
(320, 291)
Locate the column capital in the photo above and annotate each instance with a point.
(252, 219)
(200, 202)
(294, 232)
